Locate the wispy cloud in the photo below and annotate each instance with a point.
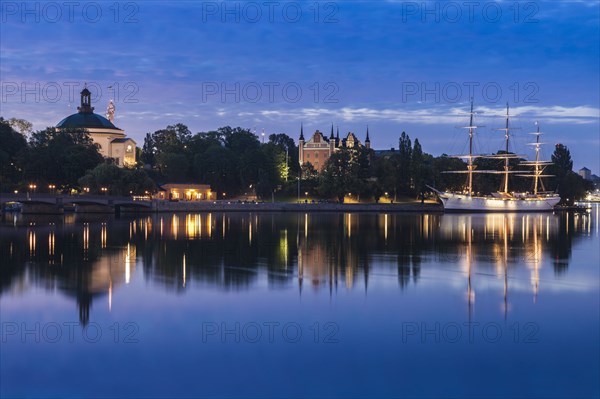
(433, 115)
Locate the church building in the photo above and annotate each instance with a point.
(319, 148)
(112, 142)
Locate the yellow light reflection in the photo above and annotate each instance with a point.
(174, 226)
(223, 227)
(250, 231)
(349, 224)
(305, 225)
(128, 259)
(184, 270)
(110, 295)
(103, 235)
(349, 276)
(385, 226)
(86, 236)
(51, 237)
(31, 235)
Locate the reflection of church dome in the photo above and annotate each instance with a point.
(85, 120)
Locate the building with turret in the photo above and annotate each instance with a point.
(318, 148)
(111, 141)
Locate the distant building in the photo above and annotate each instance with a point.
(319, 148)
(111, 140)
(185, 192)
(585, 173)
(386, 154)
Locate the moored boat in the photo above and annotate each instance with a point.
(503, 200)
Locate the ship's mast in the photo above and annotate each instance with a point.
(470, 156)
(537, 161)
(506, 139)
(470, 163)
(506, 156)
(538, 165)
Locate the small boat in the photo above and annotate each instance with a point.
(13, 207)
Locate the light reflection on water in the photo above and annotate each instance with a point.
(355, 270)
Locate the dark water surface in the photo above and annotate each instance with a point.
(300, 305)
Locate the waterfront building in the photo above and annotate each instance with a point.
(111, 141)
(185, 192)
(317, 149)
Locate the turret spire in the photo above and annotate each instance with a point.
(301, 132)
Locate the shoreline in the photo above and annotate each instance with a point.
(160, 207)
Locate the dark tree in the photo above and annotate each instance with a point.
(345, 172)
(148, 156)
(448, 181)
(61, 156)
(561, 158)
(417, 167)
(13, 147)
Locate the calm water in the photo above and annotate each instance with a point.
(300, 305)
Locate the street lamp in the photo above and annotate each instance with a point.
(51, 187)
(104, 190)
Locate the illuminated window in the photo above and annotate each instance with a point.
(129, 148)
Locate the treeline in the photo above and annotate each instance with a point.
(235, 162)
(231, 160)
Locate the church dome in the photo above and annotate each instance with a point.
(86, 120)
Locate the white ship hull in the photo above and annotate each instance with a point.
(465, 203)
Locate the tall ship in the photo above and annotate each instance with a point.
(503, 200)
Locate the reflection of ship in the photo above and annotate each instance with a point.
(503, 200)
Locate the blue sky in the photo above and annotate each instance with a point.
(392, 65)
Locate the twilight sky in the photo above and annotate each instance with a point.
(392, 65)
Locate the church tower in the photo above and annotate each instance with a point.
(331, 141)
(86, 102)
(301, 146)
(368, 140)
